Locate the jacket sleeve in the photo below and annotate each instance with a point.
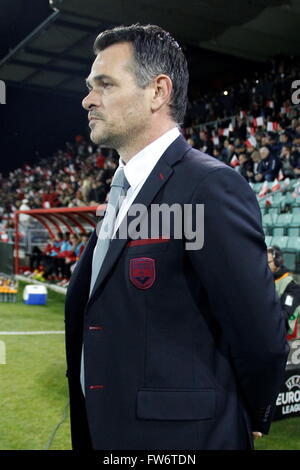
(76, 299)
(232, 267)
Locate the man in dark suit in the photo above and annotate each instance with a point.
(180, 342)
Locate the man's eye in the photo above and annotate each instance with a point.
(106, 84)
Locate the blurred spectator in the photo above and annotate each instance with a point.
(35, 259)
(283, 141)
(49, 199)
(69, 255)
(83, 239)
(251, 174)
(24, 218)
(78, 200)
(245, 167)
(51, 251)
(204, 143)
(296, 160)
(97, 193)
(289, 162)
(222, 156)
(100, 160)
(287, 289)
(268, 167)
(86, 187)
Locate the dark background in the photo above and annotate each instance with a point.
(35, 123)
(32, 123)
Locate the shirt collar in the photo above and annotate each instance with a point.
(140, 165)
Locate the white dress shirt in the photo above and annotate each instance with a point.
(139, 168)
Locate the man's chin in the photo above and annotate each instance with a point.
(100, 139)
(96, 137)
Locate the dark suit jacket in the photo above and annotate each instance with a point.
(189, 353)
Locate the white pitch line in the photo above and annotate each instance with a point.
(32, 333)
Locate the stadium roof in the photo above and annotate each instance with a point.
(58, 53)
(80, 219)
(54, 220)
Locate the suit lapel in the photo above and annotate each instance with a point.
(155, 181)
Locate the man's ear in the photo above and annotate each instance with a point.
(161, 91)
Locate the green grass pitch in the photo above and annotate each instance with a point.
(33, 391)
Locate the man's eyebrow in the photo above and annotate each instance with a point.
(96, 78)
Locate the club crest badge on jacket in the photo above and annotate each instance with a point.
(142, 272)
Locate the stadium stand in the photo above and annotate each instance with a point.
(252, 128)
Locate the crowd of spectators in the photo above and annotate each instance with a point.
(55, 262)
(256, 153)
(252, 126)
(78, 176)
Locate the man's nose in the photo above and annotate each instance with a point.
(90, 100)
(86, 102)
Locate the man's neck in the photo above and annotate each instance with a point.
(129, 152)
